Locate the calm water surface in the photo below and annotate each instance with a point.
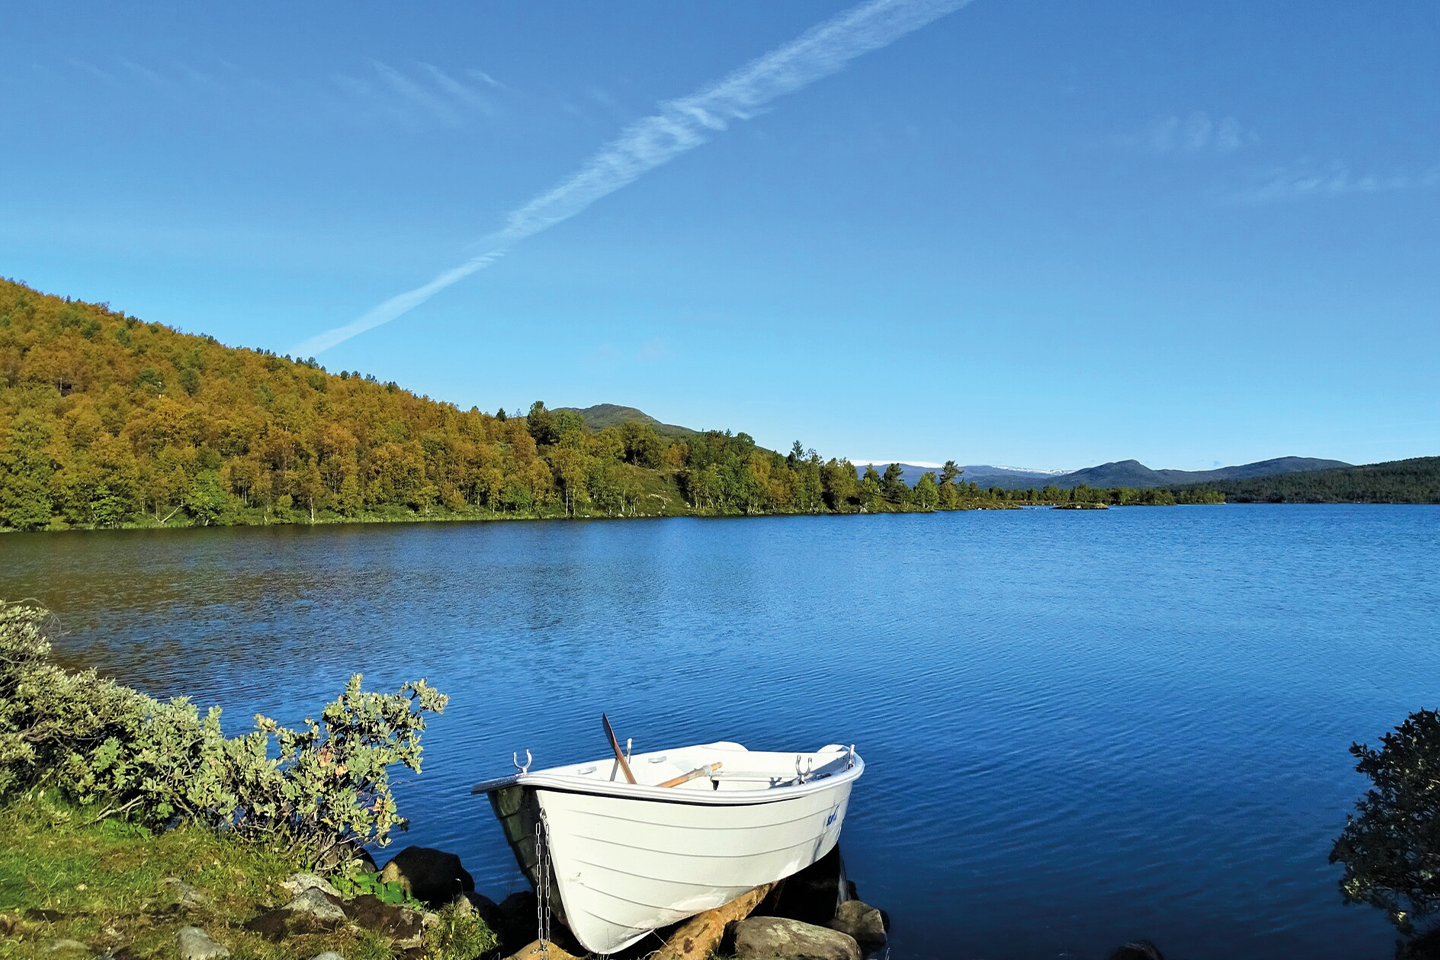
(1080, 727)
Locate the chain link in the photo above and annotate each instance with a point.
(542, 884)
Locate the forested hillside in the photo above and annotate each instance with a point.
(1398, 481)
(108, 420)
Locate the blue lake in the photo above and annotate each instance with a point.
(1080, 728)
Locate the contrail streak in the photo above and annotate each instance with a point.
(681, 125)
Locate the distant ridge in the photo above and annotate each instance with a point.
(603, 415)
(1416, 480)
(1120, 473)
(1132, 473)
(1126, 473)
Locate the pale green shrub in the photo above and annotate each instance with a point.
(324, 787)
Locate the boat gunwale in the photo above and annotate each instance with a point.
(619, 790)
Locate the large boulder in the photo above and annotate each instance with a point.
(315, 911)
(434, 876)
(814, 894)
(535, 950)
(861, 921)
(768, 938)
(517, 921)
(298, 883)
(472, 904)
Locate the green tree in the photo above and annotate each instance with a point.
(25, 473)
(927, 493)
(538, 420)
(892, 484)
(1390, 846)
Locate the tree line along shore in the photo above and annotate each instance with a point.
(106, 421)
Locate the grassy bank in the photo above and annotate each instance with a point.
(64, 877)
(124, 819)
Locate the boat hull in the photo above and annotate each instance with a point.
(624, 866)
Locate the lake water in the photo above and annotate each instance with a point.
(1079, 727)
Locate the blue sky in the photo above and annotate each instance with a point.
(1040, 234)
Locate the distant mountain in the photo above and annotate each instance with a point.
(1398, 481)
(1010, 478)
(603, 415)
(1132, 473)
(983, 475)
(1121, 473)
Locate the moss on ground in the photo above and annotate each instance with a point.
(64, 877)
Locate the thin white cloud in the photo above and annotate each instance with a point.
(1198, 133)
(437, 107)
(655, 351)
(1230, 137)
(90, 68)
(681, 125)
(459, 91)
(1306, 181)
(423, 95)
(145, 73)
(924, 464)
(484, 77)
(197, 77)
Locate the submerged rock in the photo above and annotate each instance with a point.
(766, 938)
(434, 876)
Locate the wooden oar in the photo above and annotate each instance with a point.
(619, 754)
(695, 774)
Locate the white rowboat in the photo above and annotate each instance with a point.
(626, 859)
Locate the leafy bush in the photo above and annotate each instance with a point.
(1391, 846)
(353, 885)
(323, 787)
(457, 936)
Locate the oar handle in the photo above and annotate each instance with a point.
(695, 774)
(619, 754)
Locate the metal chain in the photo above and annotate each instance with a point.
(542, 885)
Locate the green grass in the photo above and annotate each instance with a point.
(103, 885)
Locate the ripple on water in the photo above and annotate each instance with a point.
(1080, 728)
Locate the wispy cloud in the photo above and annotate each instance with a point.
(424, 98)
(655, 351)
(484, 77)
(1307, 181)
(145, 73)
(1197, 133)
(461, 92)
(680, 126)
(197, 77)
(90, 68)
(424, 93)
